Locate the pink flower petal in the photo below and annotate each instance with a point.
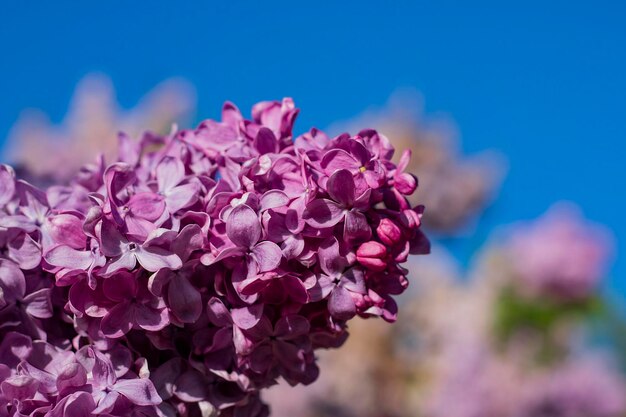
(153, 258)
(118, 321)
(341, 305)
(323, 213)
(267, 255)
(66, 257)
(139, 391)
(170, 172)
(184, 299)
(341, 187)
(243, 226)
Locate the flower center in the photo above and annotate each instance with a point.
(362, 169)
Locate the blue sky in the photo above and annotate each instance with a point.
(543, 83)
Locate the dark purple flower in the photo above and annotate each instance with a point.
(338, 282)
(136, 307)
(345, 206)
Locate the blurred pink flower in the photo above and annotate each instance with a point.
(91, 126)
(586, 387)
(561, 254)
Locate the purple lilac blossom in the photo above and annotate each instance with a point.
(579, 387)
(561, 255)
(196, 269)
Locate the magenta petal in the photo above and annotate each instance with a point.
(148, 206)
(138, 228)
(106, 404)
(153, 258)
(341, 305)
(356, 227)
(18, 222)
(375, 174)
(341, 187)
(39, 304)
(182, 196)
(218, 313)
(120, 287)
(252, 285)
(337, 159)
(66, 257)
(292, 246)
(405, 158)
(14, 348)
(354, 281)
(121, 359)
(222, 339)
(66, 229)
(247, 317)
(292, 326)
(111, 241)
(12, 281)
(330, 259)
(170, 172)
(272, 199)
(80, 404)
(293, 218)
(289, 356)
(160, 237)
(139, 391)
(184, 299)
(323, 213)
(165, 375)
(151, 319)
(126, 261)
(405, 183)
(390, 310)
(118, 321)
(322, 288)
(296, 289)
(73, 375)
(267, 255)
(359, 152)
(158, 280)
(19, 387)
(209, 259)
(265, 141)
(99, 365)
(231, 114)
(47, 381)
(243, 226)
(191, 386)
(188, 240)
(25, 251)
(261, 358)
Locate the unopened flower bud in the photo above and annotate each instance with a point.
(388, 232)
(405, 183)
(372, 255)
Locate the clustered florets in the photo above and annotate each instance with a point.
(198, 268)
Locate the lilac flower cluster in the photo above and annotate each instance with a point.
(585, 386)
(561, 255)
(198, 268)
